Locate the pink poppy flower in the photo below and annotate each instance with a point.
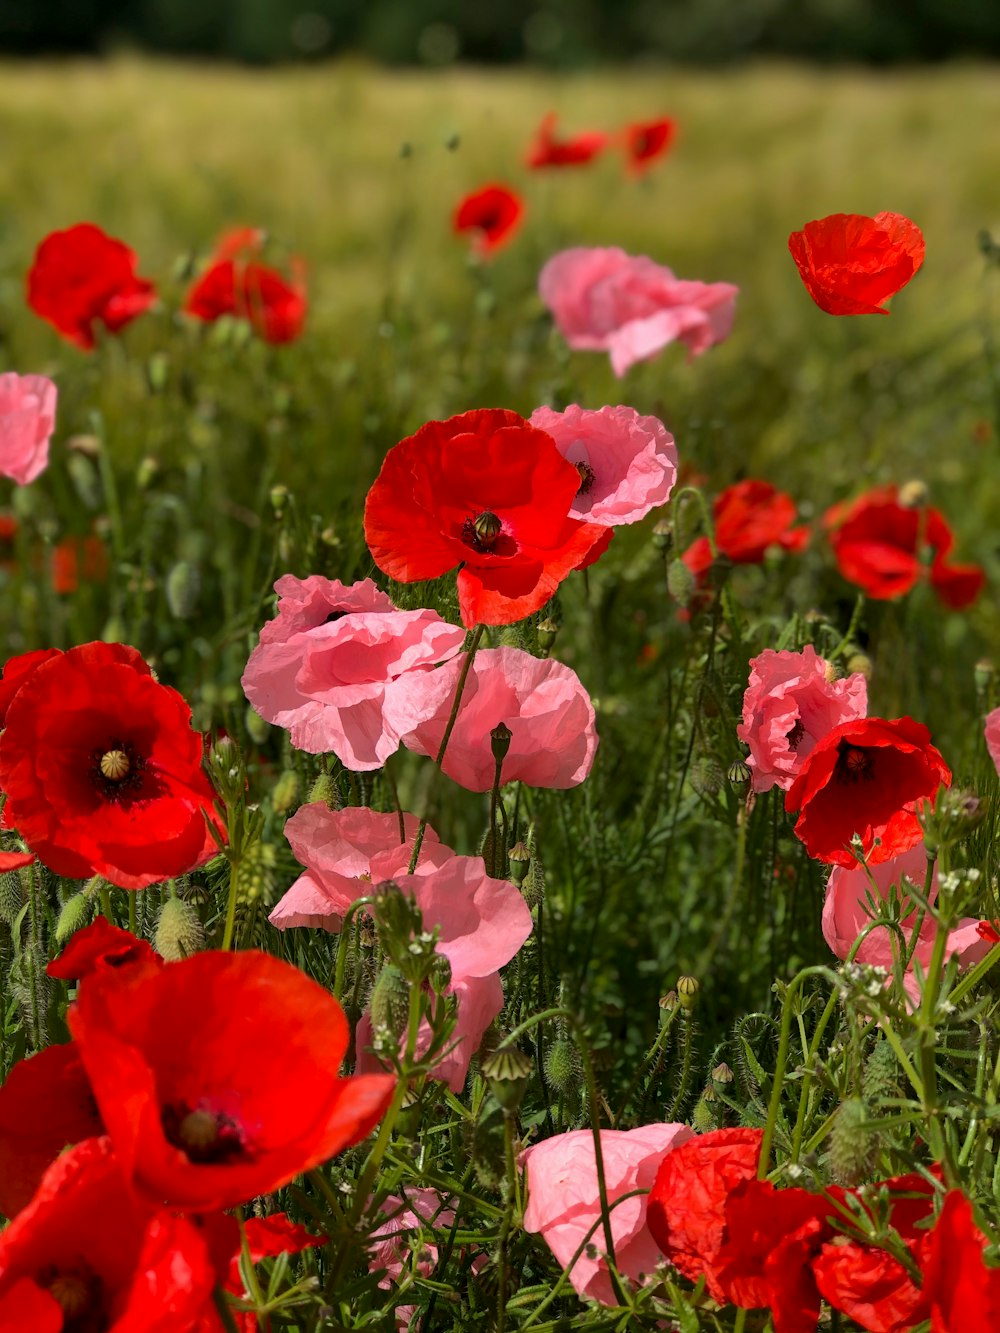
(993, 736)
(790, 703)
(337, 848)
(627, 463)
(27, 419)
(628, 305)
(542, 702)
(420, 1210)
(845, 915)
(482, 923)
(564, 1202)
(327, 667)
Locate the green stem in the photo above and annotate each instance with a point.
(132, 911)
(227, 934)
(477, 635)
(223, 1310)
(779, 1069)
(105, 892)
(508, 1217)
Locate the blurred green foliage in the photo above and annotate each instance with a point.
(560, 33)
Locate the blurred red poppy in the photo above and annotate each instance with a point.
(852, 264)
(877, 543)
(45, 1103)
(490, 492)
(81, 277)
(962, 1292)
(547, 150)
(217, 1076)
(76, 558)
(750, 517)
(84, 1255)
(102, 771)
(100, 945)
(866, 777)
(491, 215)
(647, 141)
(237, 284)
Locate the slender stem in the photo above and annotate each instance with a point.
(508, 1217)
(223, 1310)
(105, 892)
(132, 913)
(477, 635)
(227, 934)
(779, 1069)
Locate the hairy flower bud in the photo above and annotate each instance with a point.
(390, 1002)
(179, 932)
(852, 1145)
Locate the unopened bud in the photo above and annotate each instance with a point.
(325, 789)
(179, 932)
(852, 1145)
(859, 663)
(983, 674)
(279, 498)
(663, 535)
(562, 1065)
(286, 789)
(680, 582)
(390, 1002)
(183, 584)
(74, 914)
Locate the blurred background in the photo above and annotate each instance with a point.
(554, 33)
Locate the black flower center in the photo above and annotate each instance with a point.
(794, 736)
(206, 1136)
(587, 476)
(854, 764)
(117, 769)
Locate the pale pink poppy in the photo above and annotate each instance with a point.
(993, 736)
(564, 1202)
(542, 702)
(337, 848)
(791, 702)
(632, 307)
(418, 1212)
(482, 923)
(846, 914)
(27, 420)
(327, 666)
(627, 463)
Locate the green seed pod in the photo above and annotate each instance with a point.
(704, 1118)
(390, 1002)
(182, 587)
(500, 740)
(852, 1147)
(663, 536)
(687, 992)
(519, 862)
(75, 913)
(562, 1065)
(547, 633)
(680, 582)
(881, 1076)
(506, 1071)
(179, 932)
(286, 790)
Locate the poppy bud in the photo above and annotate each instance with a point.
(680, 582)
(390, 1002)
(325, 789)
(506, 1070)
(146, 472)
(83, 475)
(562, 1065)
(179, 932)
(519, 861)
(707, 776)
(286, 789)
(547, 632)
(852, 1145)
(500, 740)
(74, 914)
(881, 1076)
(278, 496)
(687, 992)
(182, 586)
(663, 536)
(861, 663)
(983, 674)
(12, 896)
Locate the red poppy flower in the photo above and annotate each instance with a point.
(852, 264)
(100, 945)
(76, 558)
(103, 772)
(866, 777)
(45, 1103)
(237, 284)
(267, 1237)
(963, 1294)
(492, 215)
(15, 861)
(877, 544)
(16, 671)
(490, 492)
(987, 930)
(84, 1255)
(82, 276)
(750, 517)
(217, 1076)
(549, 151)
(647, 141)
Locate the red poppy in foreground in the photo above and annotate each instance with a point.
(962, 1292)
(491, 215)
(750, 518)
(98, 946)
(549, 151)
(488, 491)
(877, 544)
(647, 141)
(866, 778)
(81, 277)
(85, 1256)
(217, 1076)
(852, 264)
(102, 771)
(45, 1103)
(236, 283)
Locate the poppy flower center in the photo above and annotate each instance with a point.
(117, 769)
(794, 736)
(854, 764)
(587, 477)
(482, 531)
(205, 1136)
(78, 1293)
